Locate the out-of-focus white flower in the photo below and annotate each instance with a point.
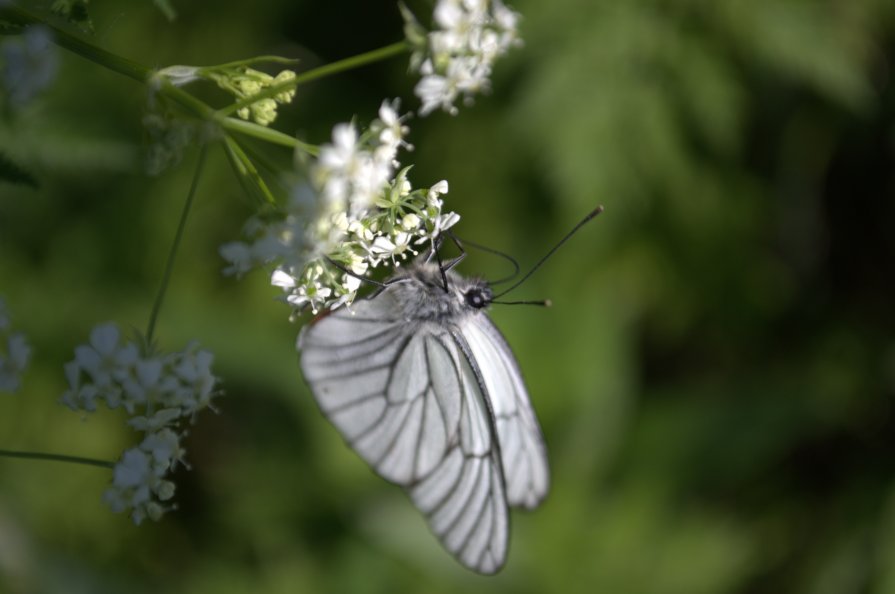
(168, 138)
(360, 211)
(28, 64)
(392, 133)
(138, 479)
(456, 58)
(195, 382)
(14, 353)
(154, 422)
(159, 391)
(348, 175)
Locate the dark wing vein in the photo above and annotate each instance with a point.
(523, 453)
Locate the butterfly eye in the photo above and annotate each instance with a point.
(475, 298)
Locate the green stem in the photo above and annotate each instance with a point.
(113, 62)
(169, 265)
(252, 61)
(64, 39)
(352, 62)
(247, 170)
(266, 134)
(198, 108)
(326, 70)
(57, 458)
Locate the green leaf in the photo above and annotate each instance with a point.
(13, 173)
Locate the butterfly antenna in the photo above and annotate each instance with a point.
(478, 246)
(540, 302)
(540, 262)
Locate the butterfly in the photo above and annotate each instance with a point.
(424, 387)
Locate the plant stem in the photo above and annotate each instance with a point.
(352, 62)
(169, 265)
(266, 134)
(198, 108)
(113, 62)
(256, 60)
(247, 171)
(57, 458)
(86, 50)
(326, 70)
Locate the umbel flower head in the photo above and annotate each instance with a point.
(456, 57)
(358, 212)
(243, 82)
(158, 391)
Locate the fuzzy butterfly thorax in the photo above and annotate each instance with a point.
(420, 291)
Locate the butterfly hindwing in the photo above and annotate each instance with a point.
(524, 456)
(463, 497)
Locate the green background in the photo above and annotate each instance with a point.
(715, 380)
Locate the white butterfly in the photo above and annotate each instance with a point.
(426, 390)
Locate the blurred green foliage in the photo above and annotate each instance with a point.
(715, 381)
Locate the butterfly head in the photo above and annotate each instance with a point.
(422, 293)
(478, 295)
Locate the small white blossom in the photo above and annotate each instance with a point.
(410, 222)
(443, 222)
(168, 137)
(352, 283)
(177, 75)
(456, 58)
(80, 395)
(157, 421)
(382, 247)
(158, 391)
(239, 255)
(391, 132)
(359, 212)
(192, 369)
(313, 296)
(164, 448)
(138, 479)
(98, 358)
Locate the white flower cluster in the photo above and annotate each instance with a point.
(360, 212)
(457, 57)
(157, 391)
(14, 354)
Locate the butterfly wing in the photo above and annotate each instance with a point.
(523, 453)
(405, 397)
